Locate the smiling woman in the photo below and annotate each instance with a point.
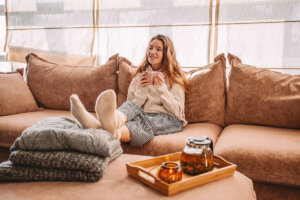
(155, 54)
(154, 106)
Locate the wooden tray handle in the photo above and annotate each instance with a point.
(144, 174)
(220, 162)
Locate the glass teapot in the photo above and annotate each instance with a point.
(197, 156)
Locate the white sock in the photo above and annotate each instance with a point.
(110, 118)
(78, 110)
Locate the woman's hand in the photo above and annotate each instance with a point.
(145, 80)
(158, 78)
(151, 78)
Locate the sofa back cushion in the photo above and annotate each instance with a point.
(52, 84)
(126, 70)
(15, 96)
(262, 97)
(205, 100)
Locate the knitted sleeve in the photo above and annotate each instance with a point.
(137, 94)
(173, 99)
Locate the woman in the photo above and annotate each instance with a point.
(155, 100)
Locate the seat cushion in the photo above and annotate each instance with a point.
(266, 154)
(174, 142)
(12, 126)
(265, 190)
(116, 184)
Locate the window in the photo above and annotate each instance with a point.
(262, 33)
(4, 65)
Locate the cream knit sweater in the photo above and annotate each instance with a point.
(158, 98)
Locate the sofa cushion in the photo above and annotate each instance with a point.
(266, 154)
(12, 126)
(205, 101)
(126, 70)
(175, 142)
(262, 97)
(52, 84)
(15, 96)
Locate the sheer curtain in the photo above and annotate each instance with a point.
(4, 65)
(264, 33)
(101, 28)
(60, 30)
(127, 26)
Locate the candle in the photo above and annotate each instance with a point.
(170, 172)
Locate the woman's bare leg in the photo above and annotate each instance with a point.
(125, 135)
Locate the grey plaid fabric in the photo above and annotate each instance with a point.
(144, 126)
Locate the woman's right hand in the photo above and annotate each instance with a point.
(145, 80)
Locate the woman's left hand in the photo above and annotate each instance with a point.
(158, 79)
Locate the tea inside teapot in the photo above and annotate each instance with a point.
(197, 155)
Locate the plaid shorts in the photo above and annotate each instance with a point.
(144, 126)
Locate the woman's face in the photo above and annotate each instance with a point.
(155, 54)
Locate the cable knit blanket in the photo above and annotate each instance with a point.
(61, 133)
(57, 149)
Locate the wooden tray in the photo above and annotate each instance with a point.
(146, 171)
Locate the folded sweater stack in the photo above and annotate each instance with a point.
(57, 149)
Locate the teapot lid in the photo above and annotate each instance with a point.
(198, 141)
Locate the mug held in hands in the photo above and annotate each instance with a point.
(150, 76)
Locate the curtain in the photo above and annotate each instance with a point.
(59, 30)
(263, 33)
(127, 26)
(77, 29)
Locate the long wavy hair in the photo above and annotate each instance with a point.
(170, 66)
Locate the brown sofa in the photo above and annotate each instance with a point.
(253, 119)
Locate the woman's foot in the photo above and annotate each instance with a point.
(110, 118)
(78, 110)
